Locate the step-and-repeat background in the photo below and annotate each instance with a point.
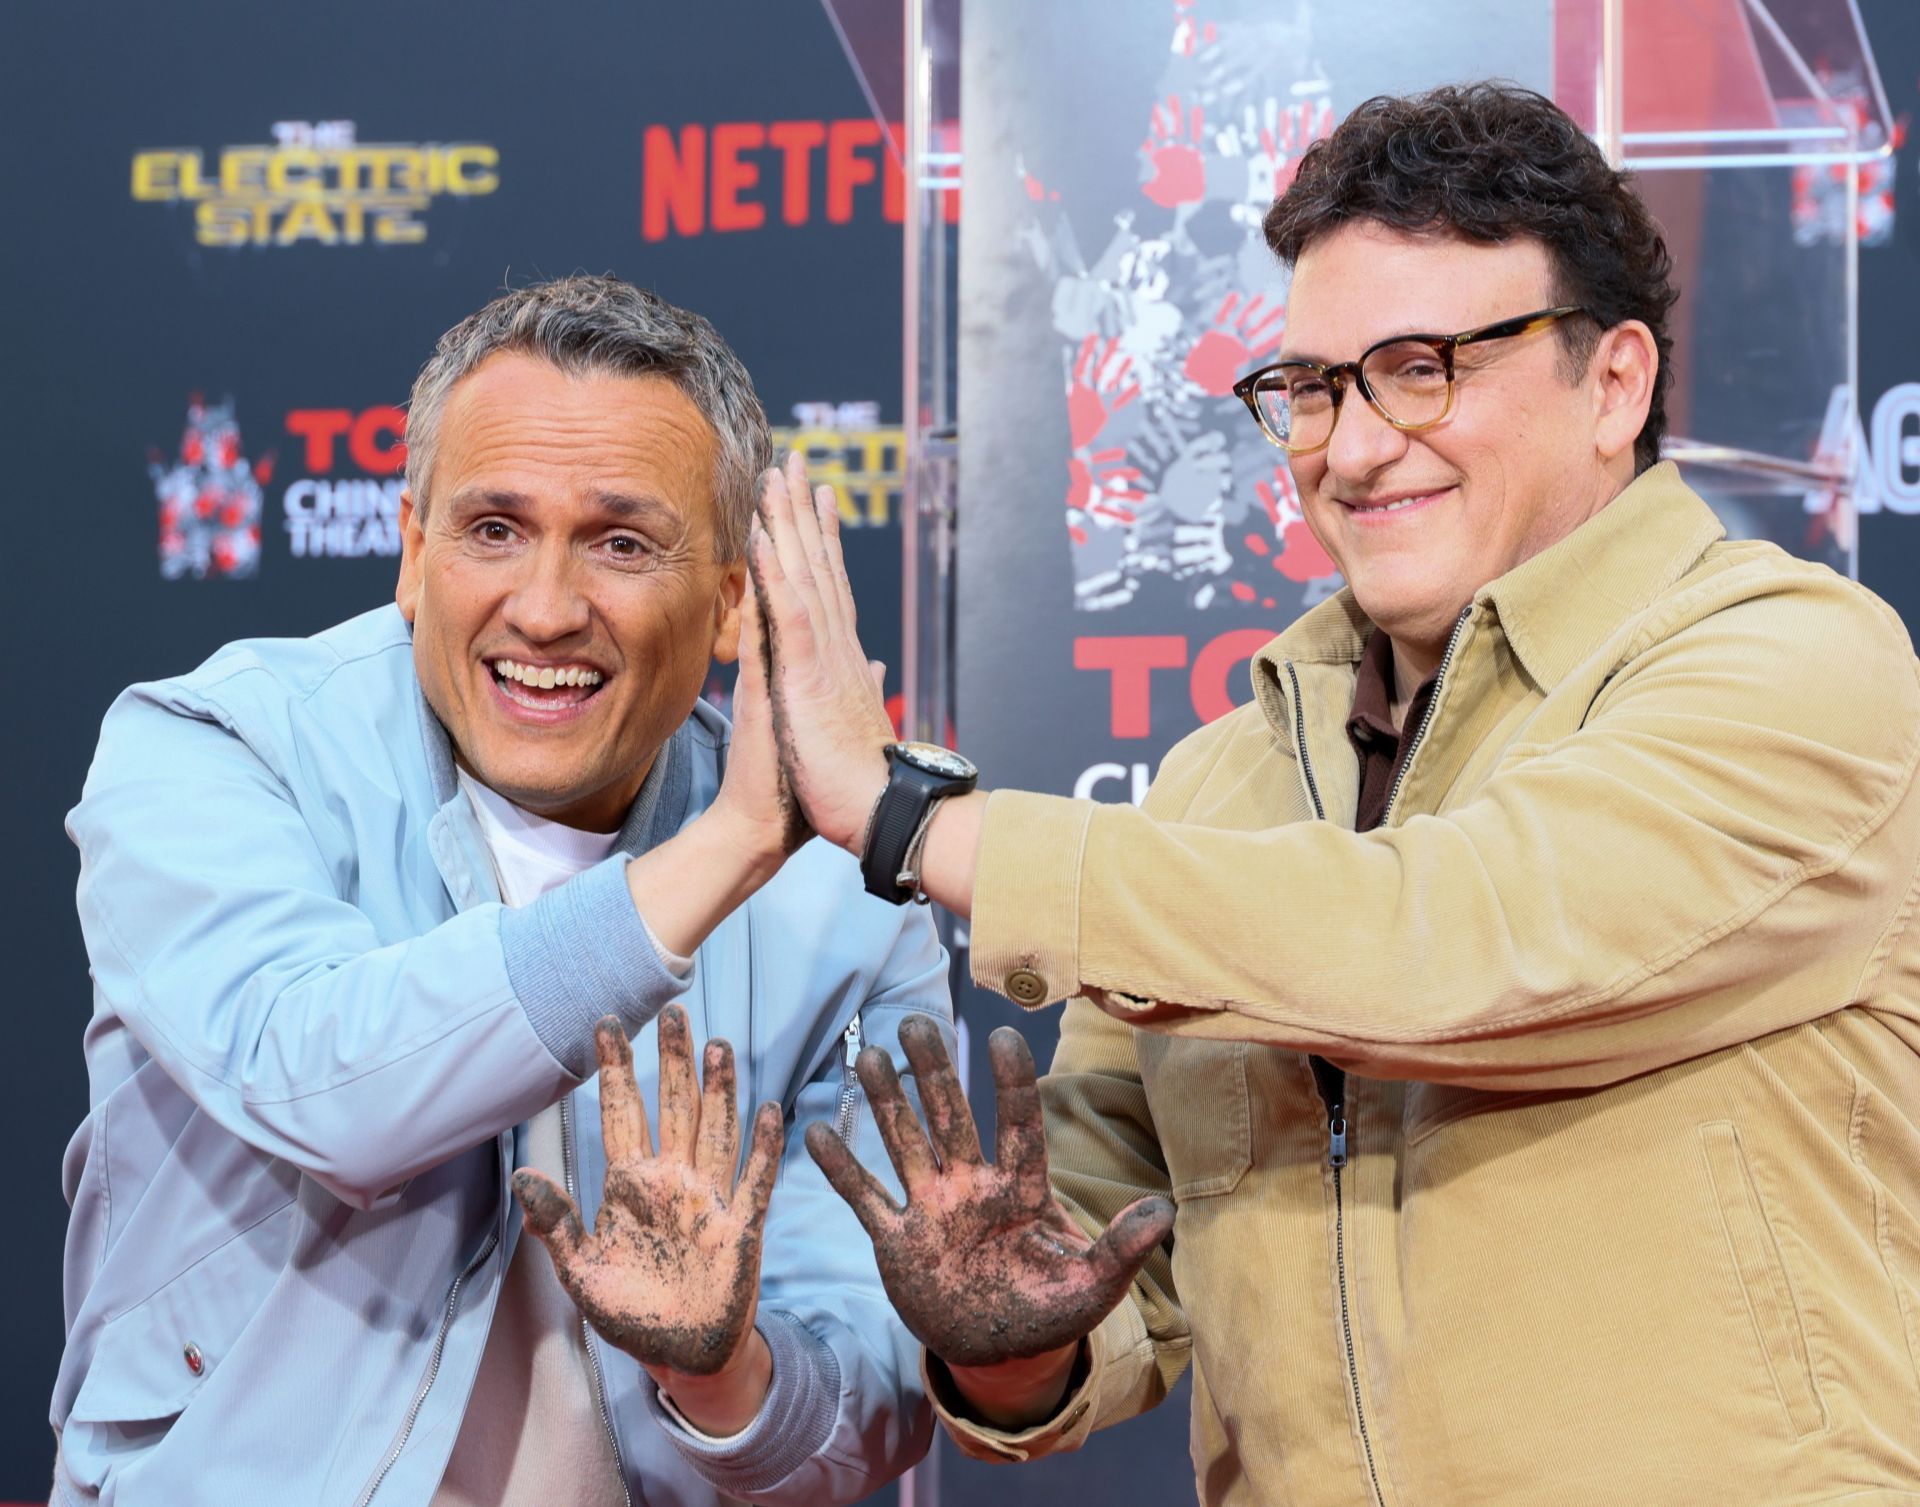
(234, 232)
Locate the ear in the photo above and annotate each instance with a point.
(1622, 372)
(726, 613)
(413, 540)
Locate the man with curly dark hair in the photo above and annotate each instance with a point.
(1494, 1053)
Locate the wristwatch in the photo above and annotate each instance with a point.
(921, 776)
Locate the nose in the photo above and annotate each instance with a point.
(546, 603)
(1363, 443)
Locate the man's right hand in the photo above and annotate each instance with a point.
(982, 1265)
(829, 717)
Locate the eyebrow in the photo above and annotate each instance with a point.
(625, 506)
(621, 505)
(1411, 332)
(1283, 356)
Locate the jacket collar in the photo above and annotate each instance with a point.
(1553, 608)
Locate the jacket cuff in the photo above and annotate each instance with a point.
(1119, 1350)
(580, 952)
(792, 1425)
(1025, 939)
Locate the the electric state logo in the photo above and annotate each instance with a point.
(317, 183)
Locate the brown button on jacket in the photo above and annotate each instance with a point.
(1628, 993)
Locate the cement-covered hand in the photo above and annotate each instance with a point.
(829, 717)
(982, 1264)
(670, 1272)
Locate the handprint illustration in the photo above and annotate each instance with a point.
(1300, 557)
(1183, 298)
(1240, 335)
(1173, 153)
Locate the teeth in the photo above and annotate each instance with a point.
(545, 677)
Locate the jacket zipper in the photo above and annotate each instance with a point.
(1331, 1083)
(1426, 717)
(586, 1332)
(433, 1366)
(849, 1082)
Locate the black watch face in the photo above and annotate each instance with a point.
(935, 760)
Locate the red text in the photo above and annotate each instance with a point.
(376, 438)
(1131, 660)
(732, 176)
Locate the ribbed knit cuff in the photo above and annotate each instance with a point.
(796, 1419)
(579, 952)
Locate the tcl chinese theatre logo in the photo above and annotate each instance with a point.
(347, 506)
(316, 183)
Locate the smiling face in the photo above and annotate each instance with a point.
(563, 587)
(1420, 522)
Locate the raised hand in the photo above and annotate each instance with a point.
(671, 1270)
(829, 718)
(755, 790)
(982, 1265)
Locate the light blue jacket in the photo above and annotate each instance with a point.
(316, 1037)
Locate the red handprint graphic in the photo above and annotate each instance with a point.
(1172, 148)
(1223, 353)
(1099, 482)
(1099, 388)
(1301, 558)
(1299, 127)
(1102, 485)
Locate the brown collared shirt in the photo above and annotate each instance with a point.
(1382, 747)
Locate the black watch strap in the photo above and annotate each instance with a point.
(903, 805)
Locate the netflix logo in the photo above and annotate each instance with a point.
(740, 175)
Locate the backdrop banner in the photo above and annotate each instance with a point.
(1127, 539)
(238, 230)
(236, 233)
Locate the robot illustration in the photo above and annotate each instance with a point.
(209, 498)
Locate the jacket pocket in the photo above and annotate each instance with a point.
(1202, 1111)
(1763, 1278)
(151, 1360)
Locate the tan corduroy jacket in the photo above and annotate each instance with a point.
(1629, 991)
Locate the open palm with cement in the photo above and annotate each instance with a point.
(981, 1264)
(670, 1272)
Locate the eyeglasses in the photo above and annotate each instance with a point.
(1407, 380)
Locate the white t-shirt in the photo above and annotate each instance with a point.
(533, 1421)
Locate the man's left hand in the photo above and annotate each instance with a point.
(671, 1271)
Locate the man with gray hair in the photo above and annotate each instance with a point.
(366, 911)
